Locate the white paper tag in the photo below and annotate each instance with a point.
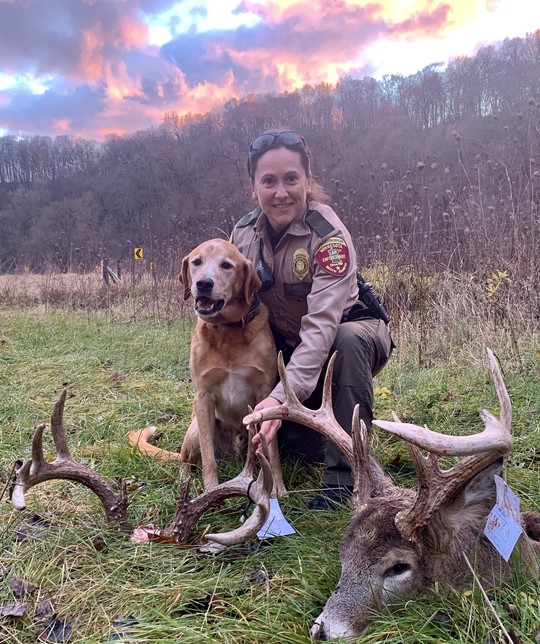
(276, 525)
(507, 499)
(503, 527)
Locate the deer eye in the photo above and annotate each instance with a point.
(397, 569)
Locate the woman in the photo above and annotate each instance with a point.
(306, 260)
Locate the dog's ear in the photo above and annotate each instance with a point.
(252, 283)
(184, 277)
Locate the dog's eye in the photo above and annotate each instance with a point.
(226, 265)
(197, 261)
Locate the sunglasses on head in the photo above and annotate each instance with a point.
(286, 138)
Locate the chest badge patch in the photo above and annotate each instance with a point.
(300, 263)
(333, 256)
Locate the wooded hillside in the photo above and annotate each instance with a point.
(440, 169)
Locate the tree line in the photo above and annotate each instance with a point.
(440, 169)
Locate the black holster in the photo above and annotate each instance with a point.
(368, 304)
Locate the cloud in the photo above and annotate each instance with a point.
(68, 37)
(94, 49)
(300, 48)
(99, 74)
(29, 113)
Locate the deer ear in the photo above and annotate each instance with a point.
(482, 489)
(475, 500)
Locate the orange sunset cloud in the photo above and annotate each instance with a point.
(92, 64)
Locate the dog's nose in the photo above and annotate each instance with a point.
(205, 285)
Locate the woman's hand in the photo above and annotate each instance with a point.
(268, 428)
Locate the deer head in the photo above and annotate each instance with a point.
(400, 541)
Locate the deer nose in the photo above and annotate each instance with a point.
(205, 285)
(316, 632)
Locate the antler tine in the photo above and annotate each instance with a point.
(37, 470)
(259, 494)
(258, 491)
(360, 465)
(496, 435)
(290, 396)
(57, 427)
(436, 486)
(251, 457)
(321, 420)
(446, 445)
(17, 494)
(505, 404)
(327, 386)
(369, 477)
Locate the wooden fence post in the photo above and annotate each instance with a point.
(105, 269)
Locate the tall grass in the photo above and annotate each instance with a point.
(125, 365)
(140, 295)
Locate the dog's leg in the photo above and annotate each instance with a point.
(190, 452)
(204, 411)
(279, 488)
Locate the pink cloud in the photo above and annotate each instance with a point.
(107, 78)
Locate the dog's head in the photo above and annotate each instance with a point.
(220, 279)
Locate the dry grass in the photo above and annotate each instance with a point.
(137, 297)
(438, 376)
(33, 285)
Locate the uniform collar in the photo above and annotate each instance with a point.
(297, 227)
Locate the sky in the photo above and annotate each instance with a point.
(91, 68)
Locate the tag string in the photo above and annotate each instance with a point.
(249, 490)
(12, 475)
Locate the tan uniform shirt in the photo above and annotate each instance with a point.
(314, 267)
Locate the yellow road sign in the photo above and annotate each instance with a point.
(138, 253)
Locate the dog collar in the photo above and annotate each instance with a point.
(252, 313)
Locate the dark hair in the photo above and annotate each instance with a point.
(317, 191)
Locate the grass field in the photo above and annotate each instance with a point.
(124, 372)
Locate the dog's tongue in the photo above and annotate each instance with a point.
(205, 304)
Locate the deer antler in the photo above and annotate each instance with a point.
(321, 420)
(436, 486)
(361, 464)
(37, 470)
(258, 491)
(368, 475)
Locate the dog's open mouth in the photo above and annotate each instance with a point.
(206, 306)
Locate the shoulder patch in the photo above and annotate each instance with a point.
(250, 218)
(318, 223)
(333, 256)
